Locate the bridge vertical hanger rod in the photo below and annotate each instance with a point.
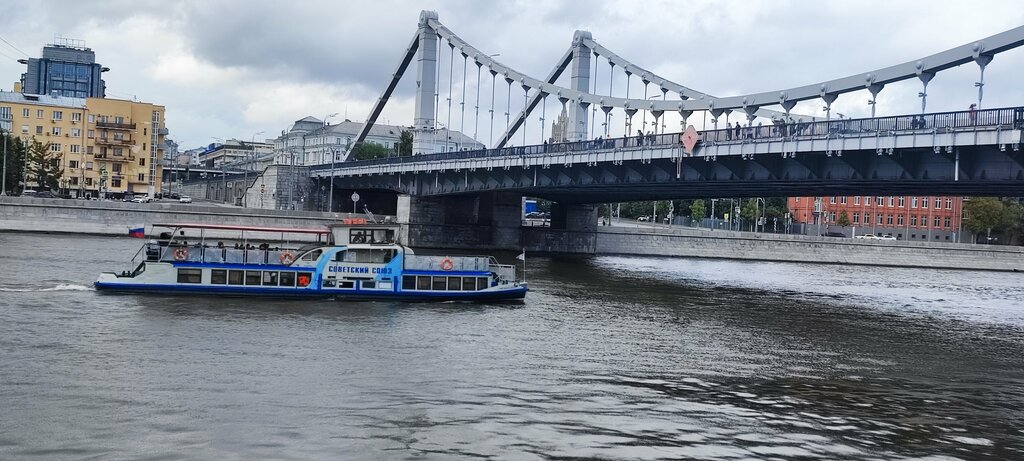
(451, 72)
(476, 107)
(608, 113)
(644, 122)
(526, 102)
(532, 102)
(508, 103)
(664, 97)
(462, 105)
(629, 120)
(490, 140)
(982, 60)
(543, 114)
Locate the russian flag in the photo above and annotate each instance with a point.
(137, 232)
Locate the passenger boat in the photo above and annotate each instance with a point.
(352, 260)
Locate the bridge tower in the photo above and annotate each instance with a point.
(580, 81)
(426, 86)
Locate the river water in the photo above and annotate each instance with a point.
(608, 357)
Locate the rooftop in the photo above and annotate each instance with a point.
(42, 99)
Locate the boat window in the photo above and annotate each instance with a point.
(312, 255)
(454, 283)
(361, 255)
(270, 278)
(253, 277)
(218, 276)
(190, 276)
(287, 279)
(304, 278)
(371, 236)
(469, 284)
(368, 284)
(481, 283)
(408, 282)
(346, 284)
(236, 277)
(423, 282)
(439, 283)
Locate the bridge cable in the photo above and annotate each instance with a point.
(451, 72)
(526, 102)
(508, 103)
(476, 117)
(644, 121)
(628, 126)
(608, 113)
(462, 105)
(543, 114)
(490, 141)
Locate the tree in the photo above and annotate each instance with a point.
(986, 215)
(369, 150)
(15, 167)
(405, 143)
(844, 219)
(43, 165)
(749, 211)
(697, 211)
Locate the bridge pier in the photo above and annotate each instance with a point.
(486, 221)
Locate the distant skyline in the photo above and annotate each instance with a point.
(230, 69)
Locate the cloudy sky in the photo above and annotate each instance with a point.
(230, 69)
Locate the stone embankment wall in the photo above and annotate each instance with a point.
(699, 243)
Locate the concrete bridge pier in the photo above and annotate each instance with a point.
(487, 221)
(573, 230)
(574, 217)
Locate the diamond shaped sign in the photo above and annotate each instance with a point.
(689, 139)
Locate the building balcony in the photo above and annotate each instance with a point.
(116, 126)
(114, 142)
(115, 158)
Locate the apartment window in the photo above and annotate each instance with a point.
(832, 200)
(118, 151)
(879, 218)
(842, 200)
(888, 220)
(58, 115)
(902, 201)
(24, 129)
(856, 200)
(913, 202)
(142, 161)
(75, 148)
(72, 163)
(103, 119)
(143, 146)
(891, 200)
(947, 222)
(39, 113)
(937, 222)
(116, 167)
(913, 220)
(118, 136)
(56, 131)
(879, 201)
(91, 134)
(832, 216)
(88, 165)
(115, 183)
(938, 203)
(24, 113)
(76, 132)
(74, 180)
(856, 217)
(55, 147)
(924, 202)
(92, 118)
(88, 181)
(899, 220)
(142, 177)
(39, 129)
(76, 116)
(949, 204)
(119, 119)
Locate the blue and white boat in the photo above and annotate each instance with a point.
(346, 261)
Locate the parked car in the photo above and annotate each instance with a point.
(174, 196)
(28, 193)
(45, 194)
(643, 219)
(185, 199)
(834, 234)
(142, 199)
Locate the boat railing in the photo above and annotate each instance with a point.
(438, 263)
(223, 255)
(506, 273)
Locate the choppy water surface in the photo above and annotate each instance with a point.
(610, 357)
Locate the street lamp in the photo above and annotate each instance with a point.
(251, 156)
(3, 182)
(330, 149)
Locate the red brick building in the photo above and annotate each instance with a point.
(921, 218)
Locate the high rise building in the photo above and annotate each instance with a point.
(560, 128)
(106, 147)
(67, 68)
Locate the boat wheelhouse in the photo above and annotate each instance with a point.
(353, 260)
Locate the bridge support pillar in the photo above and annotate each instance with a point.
(580, 81)
(488, 221)
(582, 218)
(426, 80)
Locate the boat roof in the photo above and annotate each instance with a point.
(292, 230)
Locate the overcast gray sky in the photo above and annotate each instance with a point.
(229, 69)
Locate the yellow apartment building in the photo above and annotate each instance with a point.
(107, 147)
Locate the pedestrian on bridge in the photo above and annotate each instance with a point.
(972, 113)
(738, 130)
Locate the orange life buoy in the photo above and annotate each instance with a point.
(287, 257)
(303, 280)
(180, 254)
(447, 264)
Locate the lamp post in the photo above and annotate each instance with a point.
(3, 182)
(330, 149)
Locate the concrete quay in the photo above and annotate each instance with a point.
(704, 243)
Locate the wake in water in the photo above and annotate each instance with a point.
(58, 287)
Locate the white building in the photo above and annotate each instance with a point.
(309, 142)
(235, 154)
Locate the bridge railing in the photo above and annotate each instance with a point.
(1011, 117)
